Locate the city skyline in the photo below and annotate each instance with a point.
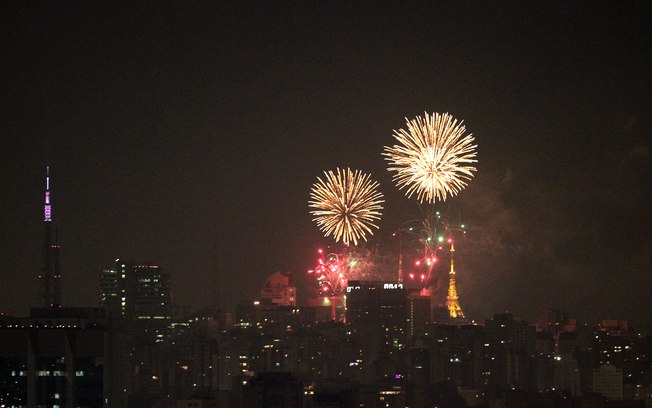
(191, 136)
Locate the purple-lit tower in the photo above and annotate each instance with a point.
(49, 290)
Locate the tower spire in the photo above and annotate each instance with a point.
(49, 290)
(47, 213)
(452, 303)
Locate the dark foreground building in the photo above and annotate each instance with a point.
(54, 358)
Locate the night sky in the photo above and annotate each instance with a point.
(189, 134)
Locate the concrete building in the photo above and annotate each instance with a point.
(57, 358)
(279, 290)
(136, 291)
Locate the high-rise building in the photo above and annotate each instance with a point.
(377, 313)
(136, 290)
(136, 297)
(382, 301)
(49, 287)
(279, 290)
(418, 313)
(509, 343)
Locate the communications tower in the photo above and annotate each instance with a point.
(49, 289)
(452, 303)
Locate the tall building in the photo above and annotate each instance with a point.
(418, 313)
(382, 301)
(377, 313)
(49, 287)
(279, 290)
(508, 344)
(136, 290)
(136, 297)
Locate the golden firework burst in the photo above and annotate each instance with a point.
(346, 204)
(432, 158)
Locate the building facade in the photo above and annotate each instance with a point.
(55, 358)
(136, 290)
(279, 290)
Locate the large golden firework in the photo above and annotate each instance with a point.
(432, 158)
(347, 205)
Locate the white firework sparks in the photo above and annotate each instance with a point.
(432, 158)
(347, 205)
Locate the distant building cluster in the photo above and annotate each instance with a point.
(378, 344)
(391, 349)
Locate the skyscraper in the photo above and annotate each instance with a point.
(136, 290)
(49, 288)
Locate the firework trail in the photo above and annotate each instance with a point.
(432, 158)
(425, 243)
(333, 271)
(330, 273)
(347, 205)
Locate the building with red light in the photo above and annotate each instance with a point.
(279, 290)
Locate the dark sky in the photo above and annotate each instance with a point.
(189, 134)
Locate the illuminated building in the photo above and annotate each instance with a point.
(377, 312)
(279, 290)
(456, 354)
(189, 364)
(385, 301)
(509, 343)
(237, 357)
(134, 290)
(136, 297)
(49, 288)
(58, 357)
(418, 314)
(452, 300)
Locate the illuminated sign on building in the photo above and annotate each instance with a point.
(376, 285)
